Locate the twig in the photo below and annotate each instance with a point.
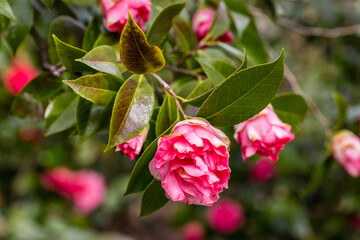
(170, 91)
(185, 71)
(319, 32)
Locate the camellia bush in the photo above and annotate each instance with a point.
(170, 85)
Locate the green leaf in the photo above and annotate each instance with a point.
(136, 54)
(167, 115)
(220, 24)
(92, 32)
(80, 2)
(28, 104)
(243, 94)
(250, 38)
(163, 23)
(106, 38)
(100, 89)
(103, 59)
(290, 108)
(17, 31)
(241, 23)
(184, 35)
(68, 30)
(49, 3)
(141, 177)
(342, 109)
(89, 119)
(153, 198)
(132, 110)
(68, 54)
(6, 10)
(152, 127)
(60, 114)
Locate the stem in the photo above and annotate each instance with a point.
(170, 91)
(185, 71)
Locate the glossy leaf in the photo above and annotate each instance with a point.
(153, 198)
(167, 115)
(241, 23)
(60, 114)
(291, 108)
(342, 109)
(220, 24)
(92, 32)
(163, 23)
(68, 54)
(132, 110)
(141, 177)
(100, 89)
(68, 30)
(243, 94)
(136, 54)
(103, 59)
(28, 103)
(17, 31)
(80, 2)
(5, 9)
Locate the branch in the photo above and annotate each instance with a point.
(170, 91)
(185, 71)
(319, 32)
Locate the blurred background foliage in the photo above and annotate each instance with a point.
(273, 209)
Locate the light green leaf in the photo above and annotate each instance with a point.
(167, 115)
(132, 110)
(243, 94)
(100, 89)
(6, 10)
(49, 3)
(60, 114)
(103, 59)
(241, 23)
(220, 24)
(291, 108)
(163, 23)
(136, 54)
(80, 2)
(342, 109)
(153, 198)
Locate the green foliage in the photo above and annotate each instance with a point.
(80, 2)
(220, 24)
(132, 110)
(153, 198)
(136, 54)
(342, 108)
(168, 114)
(92, 32)
(243, 94)
(5, 9)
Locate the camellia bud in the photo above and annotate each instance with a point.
(132, 147)
(192, 231)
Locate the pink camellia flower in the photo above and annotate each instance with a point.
(202, 22)
(85, 188)
(226, 216)
(346, 150)
(116, 13)
(19, 73)
(132, 147)
(264, 134)
(193, 231)
(192, 162)
(263, 170)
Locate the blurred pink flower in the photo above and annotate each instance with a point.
(116, 13)
(226, 216)
(346, 150)
(192, 231)
(192, 162)
(355, 222)
(263, 170)
(202, 22)
(132, 147)
(18, 74)
(85, 188)
(264, 134)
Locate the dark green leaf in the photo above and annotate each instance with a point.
(141, 177)
(68, 30)
(291, 108)
(100, 89)
(49, 3)
(106, 38)
(152, 127)
(132, 110)
(68, 54)
(167, 115)
(184, 35)
(220, 24)
(163, 23)
(28, 103)
(80, 2)
(153, 198)
(103, 59)
(137, 55)
(342, 108)
(60, 114)
(89, 119)
(243, 94)
(17, 31)
(6, 10)
(92, 32)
